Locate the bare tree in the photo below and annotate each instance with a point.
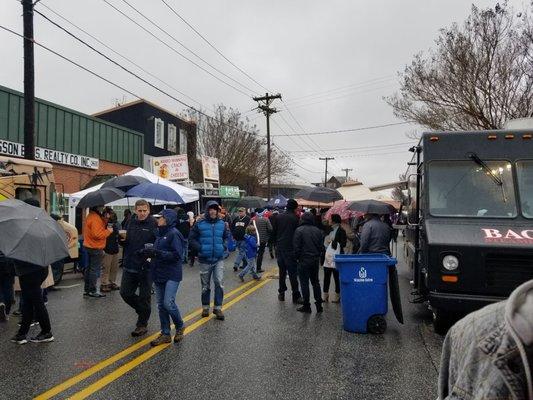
(479, 75)
(239, 147)
(397, 192)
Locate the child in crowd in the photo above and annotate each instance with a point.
(250, 238)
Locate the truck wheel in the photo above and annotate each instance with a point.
(376, 325)
(442, 321)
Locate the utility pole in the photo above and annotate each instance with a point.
(347, 170)
(29, 81)
(326, 159)
(264, 105)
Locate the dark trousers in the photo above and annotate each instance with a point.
(7, 293)
(132, 281)
(93, 270)
(327, 279)
(32, 301)
(287, 265)
(260, 254)
(57, 270)
(308, 272)
(271, 249)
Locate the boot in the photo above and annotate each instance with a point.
(319, 308)
(325, 297)
(281, 296)
(297, 298)
(205, 313)
(219, 314)
(161, 339)
(306, 308)
(179, 335)
(336, 298)
(139, 331)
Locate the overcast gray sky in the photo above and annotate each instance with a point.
(351, 50)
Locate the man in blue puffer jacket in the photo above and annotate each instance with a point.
(166, 269)
(208, 238)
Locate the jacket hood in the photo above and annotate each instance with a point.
(208, 205)
(170, 216)
(308, 219)
(519, 319)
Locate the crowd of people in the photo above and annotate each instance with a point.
(155, 248)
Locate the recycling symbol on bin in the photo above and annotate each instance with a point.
(362, 273)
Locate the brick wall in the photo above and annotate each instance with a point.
(72, 179)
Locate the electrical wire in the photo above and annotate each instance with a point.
(120, 54)
(360, 148)
(213, 46)
(350, 130)
(172, 37)
(174, 49)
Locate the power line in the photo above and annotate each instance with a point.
(120, 54)
(123, 88)
(174, 50)
(350, 130)
(185, 47)
(363, 155)
(292, 159)
(212, 45)
(359, 148)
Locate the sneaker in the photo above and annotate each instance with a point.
(3, 315)
(325, 297)
(179, 335)
(256, 277)
(241, 278)
(319, 307)
(105, 288)
(161, 339)
(85, 294)
(205, 313)
(336, 298)
(43, 338)
(33, 323)
(306, 308)
(219, 314)
(281, 296)
(114, 286)
(96, 295)
(297, 299)
(139, 331)
(19, 339)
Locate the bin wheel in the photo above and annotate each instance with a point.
(377, 324)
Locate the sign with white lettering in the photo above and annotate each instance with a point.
(519, 236)
(51, 156)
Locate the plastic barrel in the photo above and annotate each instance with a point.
(363, 288)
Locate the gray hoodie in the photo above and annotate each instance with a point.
(487, 355)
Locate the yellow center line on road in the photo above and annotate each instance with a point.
(125, 368)
(127, 351)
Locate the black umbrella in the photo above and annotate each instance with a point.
(372, 207)
(100, 197)
(124, 182)
(29, 234)
(319, 194)
(251, 202)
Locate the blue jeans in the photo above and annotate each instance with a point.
(217, 271)
(166, 304)
(185, 250)
(241, 257)
(250, 267)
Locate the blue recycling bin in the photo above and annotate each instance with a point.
(364, 297)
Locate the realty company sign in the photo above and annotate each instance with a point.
(51, 156)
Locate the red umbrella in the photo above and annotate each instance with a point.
(341, 207)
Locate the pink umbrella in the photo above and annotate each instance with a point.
(341, 207)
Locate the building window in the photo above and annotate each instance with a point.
(159, 135)
(171, 138)
(183, 141)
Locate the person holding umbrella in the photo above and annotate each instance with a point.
(95, 234)
(375, 236)
(32, 240)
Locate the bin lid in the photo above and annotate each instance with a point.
(366, 258)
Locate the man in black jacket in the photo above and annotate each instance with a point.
(283, 229)
(375, 236)
(135, 274)
(238, 230)
(308, 244)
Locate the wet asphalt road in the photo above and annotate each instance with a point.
(264, 350)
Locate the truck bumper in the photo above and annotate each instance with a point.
(460, 302)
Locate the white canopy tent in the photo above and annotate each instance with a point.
(188, 195)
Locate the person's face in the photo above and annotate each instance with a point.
(142, 212)
(242, 214)
(161, 221)
(213, 213)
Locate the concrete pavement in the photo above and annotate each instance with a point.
(264, 350)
